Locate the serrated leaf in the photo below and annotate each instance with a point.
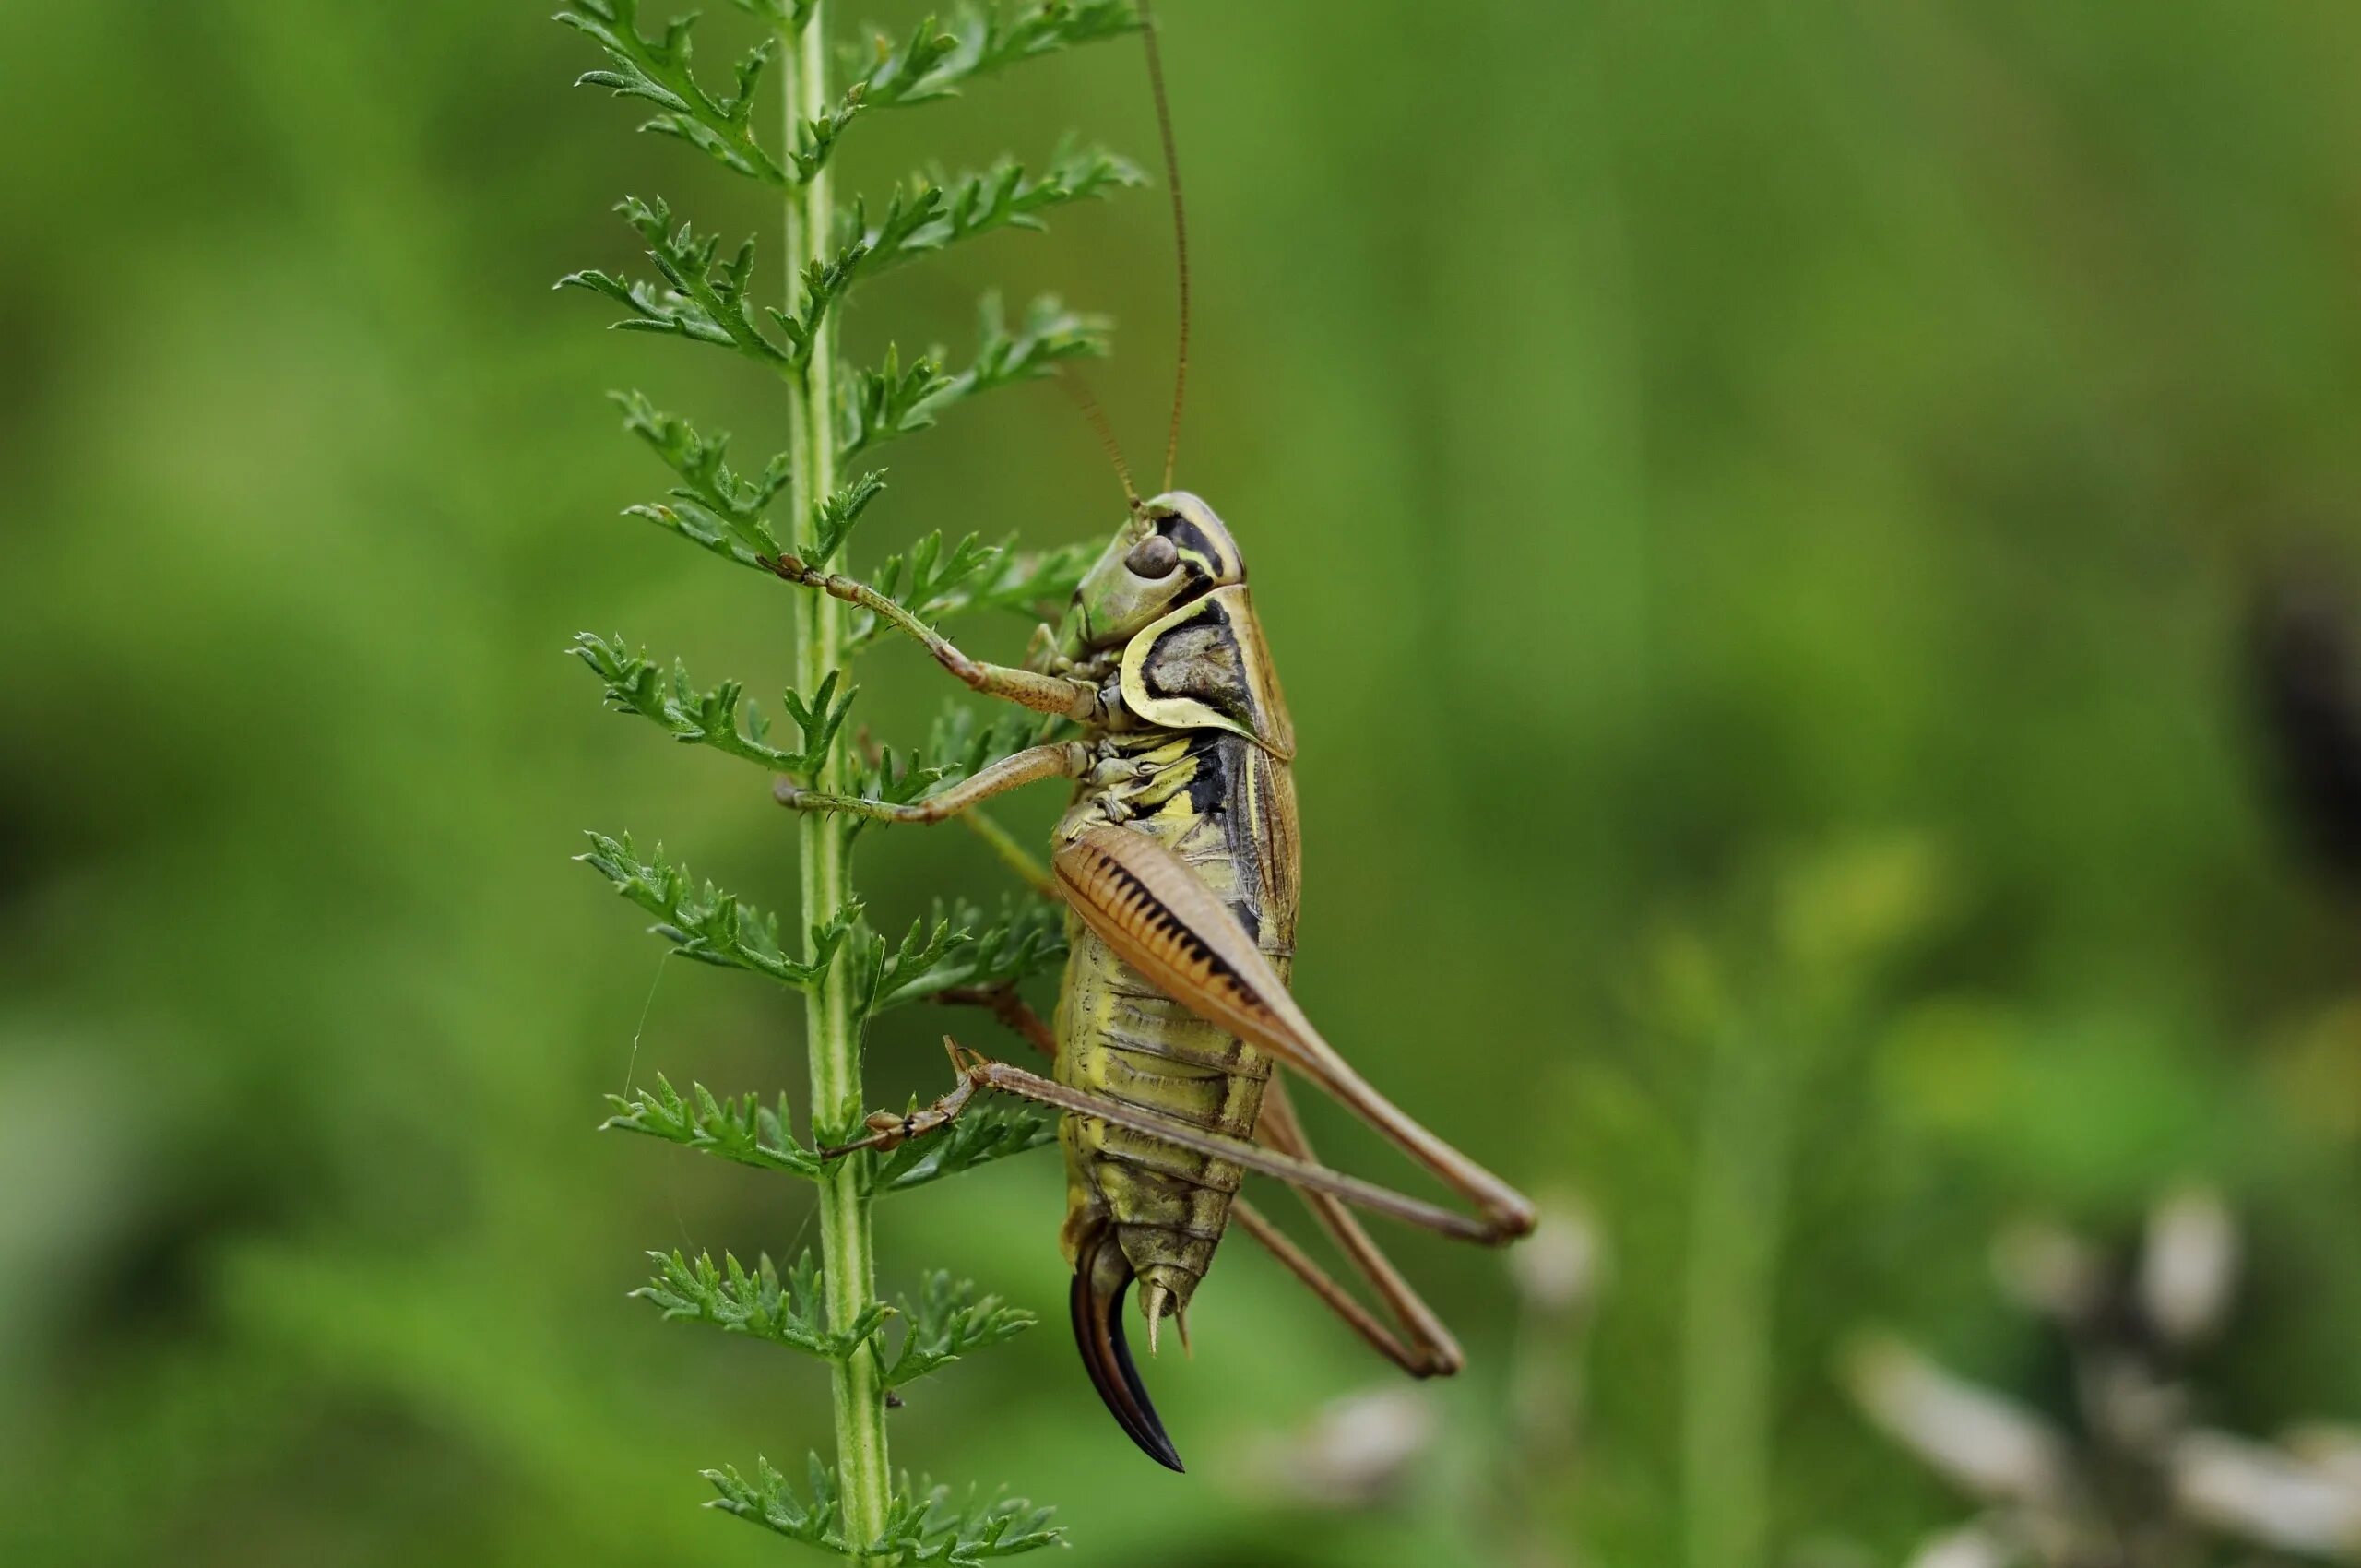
(741, 1129)
(834, 518)
(926, 1526)
(702, 297)
(787, 1309)
(719, 718)
(708, 925)
(922, 1523)
(657, 69)
(944, 1321)
(875, 406)
(936, 580)
(770, 1501)
(933, 62)
(730, 509)
(926, 214)
(990, 1132)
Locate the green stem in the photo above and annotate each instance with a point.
(831, 1025)
(1736, 1215)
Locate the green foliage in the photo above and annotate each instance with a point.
(933, 62)
(708, 925)
(993, 1130)
(923, 1526)
(967, 950)
(743, 1129)
(945, 1321)
(703, 297)
(760, 1303)
(926, 214)
(881, 404)
(958, 746)
(771, 1502)
(719, 718)
(713, 506)
(836, 514)
(657, 69)
(935, 582)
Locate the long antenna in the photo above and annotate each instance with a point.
(1079, 390)
(1179, 234)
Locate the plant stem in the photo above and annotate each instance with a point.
(831, 1029)
(1735, 1232)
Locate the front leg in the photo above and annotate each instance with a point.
(1057, 695)
(1061, 759)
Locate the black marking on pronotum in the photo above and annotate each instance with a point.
(1212, 627)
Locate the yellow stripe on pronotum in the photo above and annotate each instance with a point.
(1179, 862)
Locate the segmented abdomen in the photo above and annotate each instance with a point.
(1226, 809)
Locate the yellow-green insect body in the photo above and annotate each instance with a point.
(1192, 753)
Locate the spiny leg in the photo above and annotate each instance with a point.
(1425, 1348)
(1160, 917)
(1302, 1173)
(1336, 1298)
(1027, 688)
(889, 1130)
(1063, 759)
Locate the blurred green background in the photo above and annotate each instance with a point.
(1756, 508)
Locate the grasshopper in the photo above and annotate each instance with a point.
(1179, 862)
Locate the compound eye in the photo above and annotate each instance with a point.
(1154, 556)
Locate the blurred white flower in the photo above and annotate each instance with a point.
(1355, 1453)
(2189, 1267)
(1989, 1446)
(2047, 1269)
(1556, 1269)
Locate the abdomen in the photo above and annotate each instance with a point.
(1226, 809)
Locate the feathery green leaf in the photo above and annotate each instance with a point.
(935, 61)
(770, 1501)
(834, 518)
(927, 214)
(935, 582)
(708, 925)
(926, 1526)
(657, 69)
(701, 298)
(945, 1321)
(741, 1129)
(720, 717)
(878, 404)
(923, 1524)
(992, 1131)
(723, 506)
(759, 1302)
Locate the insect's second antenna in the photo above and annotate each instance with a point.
(1079, 390)
(1180, 232)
